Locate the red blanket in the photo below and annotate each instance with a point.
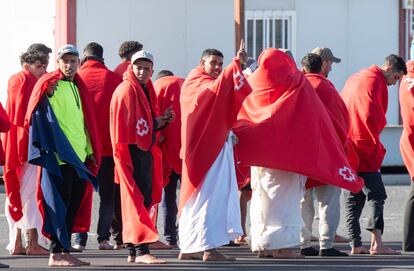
(131, 122)
(15, 142)
(284, 125)
(209, 109)
(168, 93)
(101, 84)
(4, 127)
(337, 111)
(407, 115)
(366, 97)
(121, 68)
(83, 216)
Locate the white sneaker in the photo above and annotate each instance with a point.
(105, 245)
(77, 248)
(120, 246)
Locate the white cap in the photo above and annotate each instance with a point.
(142, 54)
(67, 49)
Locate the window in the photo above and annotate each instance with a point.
(409, 31)
(264, 29)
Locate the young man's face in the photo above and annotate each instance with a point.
(47, 60)
(68, 65)
(212, 65)
(393, 77)
(142, 70)
(37, 68)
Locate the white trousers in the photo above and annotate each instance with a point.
(275, 208)
(211, 217)
(32, 218)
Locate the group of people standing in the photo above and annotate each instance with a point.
(283, 133)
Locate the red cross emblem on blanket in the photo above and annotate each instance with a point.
(142, 127)
(410, 82)
(346, 174)
(238, 80)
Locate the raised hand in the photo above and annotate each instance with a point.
(242, 54)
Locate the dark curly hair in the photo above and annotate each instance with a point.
(39, 47)
(32, 56)
(128, 48)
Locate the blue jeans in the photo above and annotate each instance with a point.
(169, 208)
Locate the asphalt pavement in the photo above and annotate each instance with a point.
(246, 260)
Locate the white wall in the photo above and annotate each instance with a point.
(23, 22)
(176, 32)
(270, 4)
(360, 32)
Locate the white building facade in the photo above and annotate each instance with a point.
(360, 32)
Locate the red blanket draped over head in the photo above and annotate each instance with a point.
(131, 122)
(168, 93)
(209, 108)
(337, 111)
(366, 97)
(16, 141)
(284, 125)
(407, 114)
(83, 216)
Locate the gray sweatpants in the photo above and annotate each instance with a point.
(327, 198)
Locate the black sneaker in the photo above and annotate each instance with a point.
(232, 244)
(332, 252)
(309, 251)
(2, 265)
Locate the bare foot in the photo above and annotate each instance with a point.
(384, 251)
(191, 256)
(18, 251)
(61, 260)
(18, 244)
(241, 240)
(78, 261)
(36, 250)
(159, 245)
(214, 255)
(131, 259)
(265, 254)
(359, 250)
(286, 253)
(149, 259)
